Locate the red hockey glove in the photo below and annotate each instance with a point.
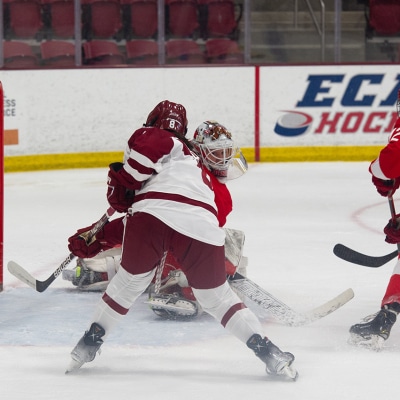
(392, 231)
(78, 244)
(119, 197)
(384, 187)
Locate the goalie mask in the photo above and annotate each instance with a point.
(214, 145)
(169, 116)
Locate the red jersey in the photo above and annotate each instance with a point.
(387, 165)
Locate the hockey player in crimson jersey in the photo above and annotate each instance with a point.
(174, 299)
(173, 209)
(385, 170)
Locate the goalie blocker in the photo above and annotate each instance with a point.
(171, 296)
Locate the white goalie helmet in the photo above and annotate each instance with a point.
(214, 145)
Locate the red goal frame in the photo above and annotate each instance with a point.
(1, 186)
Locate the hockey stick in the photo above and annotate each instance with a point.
(40, 286)
(350, 255)
(393, 213)
(280, 310)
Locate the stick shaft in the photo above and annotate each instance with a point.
(41, 286)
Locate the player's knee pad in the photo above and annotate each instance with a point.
(125, 287)
(217, 301)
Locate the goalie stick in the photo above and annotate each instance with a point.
(280, 310)
(40, 286)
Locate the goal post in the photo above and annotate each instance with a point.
(1, 186)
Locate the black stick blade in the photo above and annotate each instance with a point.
(350, 255)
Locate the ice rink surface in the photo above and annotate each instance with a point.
(292, 214)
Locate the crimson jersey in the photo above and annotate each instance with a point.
(387, 165)
(171, 184)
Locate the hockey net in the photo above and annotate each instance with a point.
(1, 186)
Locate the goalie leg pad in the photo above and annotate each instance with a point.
(234, 242)
(85, 278)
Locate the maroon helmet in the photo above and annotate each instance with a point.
(169, 116)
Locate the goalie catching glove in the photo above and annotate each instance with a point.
(119, 197)
(110, 236)
(84, 247)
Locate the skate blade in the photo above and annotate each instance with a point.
(375, 342)
(289, 372)
(180, 308)
(73, 366)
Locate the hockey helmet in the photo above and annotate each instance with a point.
(169, 116)
(213, 143)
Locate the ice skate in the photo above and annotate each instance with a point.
(376, 329)
(172, 306)
(85, 278)
(278, 363)
(169, 301)
(87, 347)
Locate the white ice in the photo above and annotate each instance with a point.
(292, 213)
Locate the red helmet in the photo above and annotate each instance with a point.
(169, 116)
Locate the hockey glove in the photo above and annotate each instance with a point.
(119, 197)
(392, 230)
(385, 187)
(84, 247)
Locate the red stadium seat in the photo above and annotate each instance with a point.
(22, 19)
(102, 19)
(18, 55)
(58, 53)
(59, 18)
(223, 51)
(220, 18)
(142, 52)
(102, 52)
(182, 18)
(140, 18)
(384, 17)
(184, 51)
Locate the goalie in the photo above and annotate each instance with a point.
(171, 296)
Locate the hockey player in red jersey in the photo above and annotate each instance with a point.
(385, 170)
(178, 206)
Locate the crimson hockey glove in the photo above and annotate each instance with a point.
(119, 197)
(385, 187)
(392, 230)
(80, 245)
